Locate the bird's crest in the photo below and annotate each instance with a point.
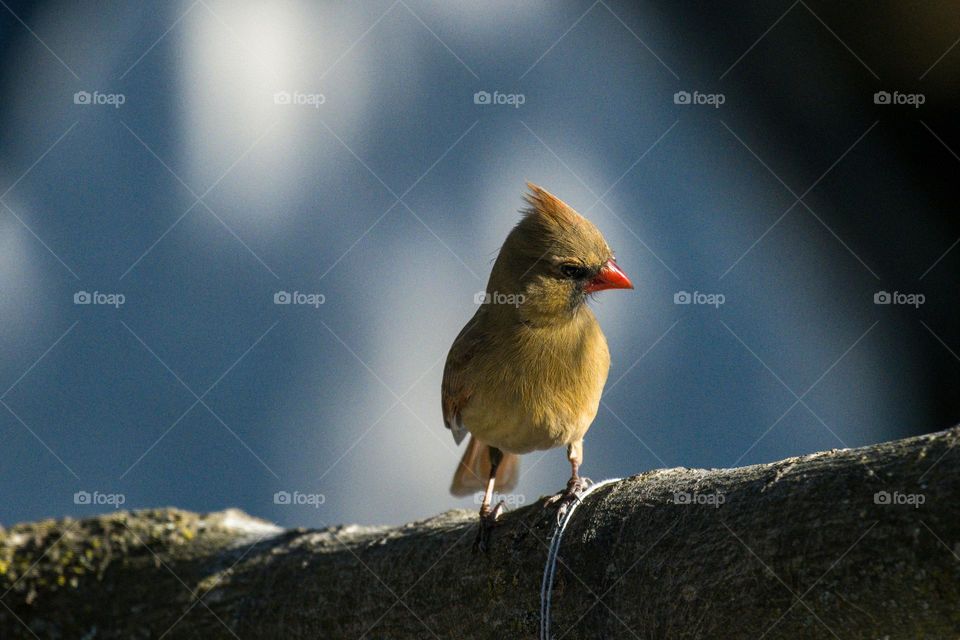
(550, 208)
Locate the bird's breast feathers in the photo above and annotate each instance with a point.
(540, 388)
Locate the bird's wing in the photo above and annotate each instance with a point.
(456, 389)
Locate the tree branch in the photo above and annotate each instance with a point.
(857, 543)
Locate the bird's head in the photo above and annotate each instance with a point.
(554, 258)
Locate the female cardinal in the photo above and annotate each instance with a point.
(527, 371)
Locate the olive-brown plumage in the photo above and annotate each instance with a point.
(527, 371)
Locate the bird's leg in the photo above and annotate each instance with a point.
(488, 515)
(575, 485)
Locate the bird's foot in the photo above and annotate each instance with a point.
(566, 498)
(488, 520)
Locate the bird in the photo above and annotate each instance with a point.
(527, 371)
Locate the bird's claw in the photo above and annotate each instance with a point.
(566, 498)
(488, 520)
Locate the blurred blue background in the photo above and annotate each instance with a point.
(338, 149)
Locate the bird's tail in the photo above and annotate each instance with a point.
(474, 470)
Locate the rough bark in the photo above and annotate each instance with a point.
(801, 548)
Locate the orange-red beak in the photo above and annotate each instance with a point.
(610, 277)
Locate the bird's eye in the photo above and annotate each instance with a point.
(573, 271)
